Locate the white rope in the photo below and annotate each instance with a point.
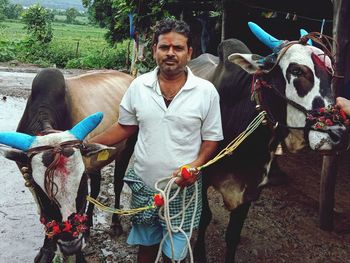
(164, 214)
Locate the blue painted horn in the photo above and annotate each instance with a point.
(264, 37)
(84, 127)
(17, 140)
(303, 32)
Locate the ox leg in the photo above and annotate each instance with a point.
(119, 172)
(79, 258)
(206, 216)
(233, 231)
(46, 253)
(95, 182)
(276, 176)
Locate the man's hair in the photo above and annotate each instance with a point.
(171, 25)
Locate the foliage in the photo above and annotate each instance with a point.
(71, 14)
(14, 11)
(73, 46)
(7, 52)
(38, 23)
(8, 10)
(113, 15)
(106, 58)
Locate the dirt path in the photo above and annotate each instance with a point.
(282, 226)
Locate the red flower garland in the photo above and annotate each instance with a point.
(75, 225)
(325, 117)
(158, 200)
(185, 173)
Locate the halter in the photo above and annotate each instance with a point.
(76, 222)
(310, 115)
(50, 186)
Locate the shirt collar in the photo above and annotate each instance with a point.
(152, 80)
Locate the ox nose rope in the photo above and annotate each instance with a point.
(164, 197)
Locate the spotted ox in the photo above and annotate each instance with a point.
(288, 84)
(48, 148)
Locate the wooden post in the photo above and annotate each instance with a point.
(341, 33)
(77, 50)
(223, 21)
(327, 189)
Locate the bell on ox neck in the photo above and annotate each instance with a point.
(27, 184)
(26, 176)
(258, 107)
(279, 150)
(24, 170)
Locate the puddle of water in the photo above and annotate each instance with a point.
(21, 234)
(11, 111)
(16, 79)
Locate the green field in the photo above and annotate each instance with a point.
(72, 46)
(89, 37)
(80, 19)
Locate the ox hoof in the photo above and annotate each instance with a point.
(115, 230)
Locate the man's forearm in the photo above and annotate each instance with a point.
(114, 134)
(206, 152)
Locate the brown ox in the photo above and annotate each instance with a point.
(48, 147)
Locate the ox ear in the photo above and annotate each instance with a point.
(93, 148)
(249, 62)
(14, 154)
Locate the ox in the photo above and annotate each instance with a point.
(53, 163)
(287, 84)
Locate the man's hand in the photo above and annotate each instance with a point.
(186, 176)
(344, 104)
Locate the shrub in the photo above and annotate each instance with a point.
(60, 54)
(105, 58)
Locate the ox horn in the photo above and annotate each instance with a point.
(85, 126)
(18, 140)
(303, 32)
(263, 36)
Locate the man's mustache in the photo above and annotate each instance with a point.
(170, 60)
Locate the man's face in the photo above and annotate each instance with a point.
(172, 53)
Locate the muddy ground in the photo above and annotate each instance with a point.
(282, 226)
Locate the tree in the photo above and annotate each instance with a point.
(38, 23)
(113, 14)
(3, 6)
(71, 14)
(13, 11)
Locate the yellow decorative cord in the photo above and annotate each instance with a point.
(237, 141)
(227, 150)
(117, 211)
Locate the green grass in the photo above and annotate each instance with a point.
(73, 46)
(11, 30)
(89, 37)
(80, 19)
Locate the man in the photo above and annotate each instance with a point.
(178, 119)
(344, 104)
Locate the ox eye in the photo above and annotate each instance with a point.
(296, 71)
